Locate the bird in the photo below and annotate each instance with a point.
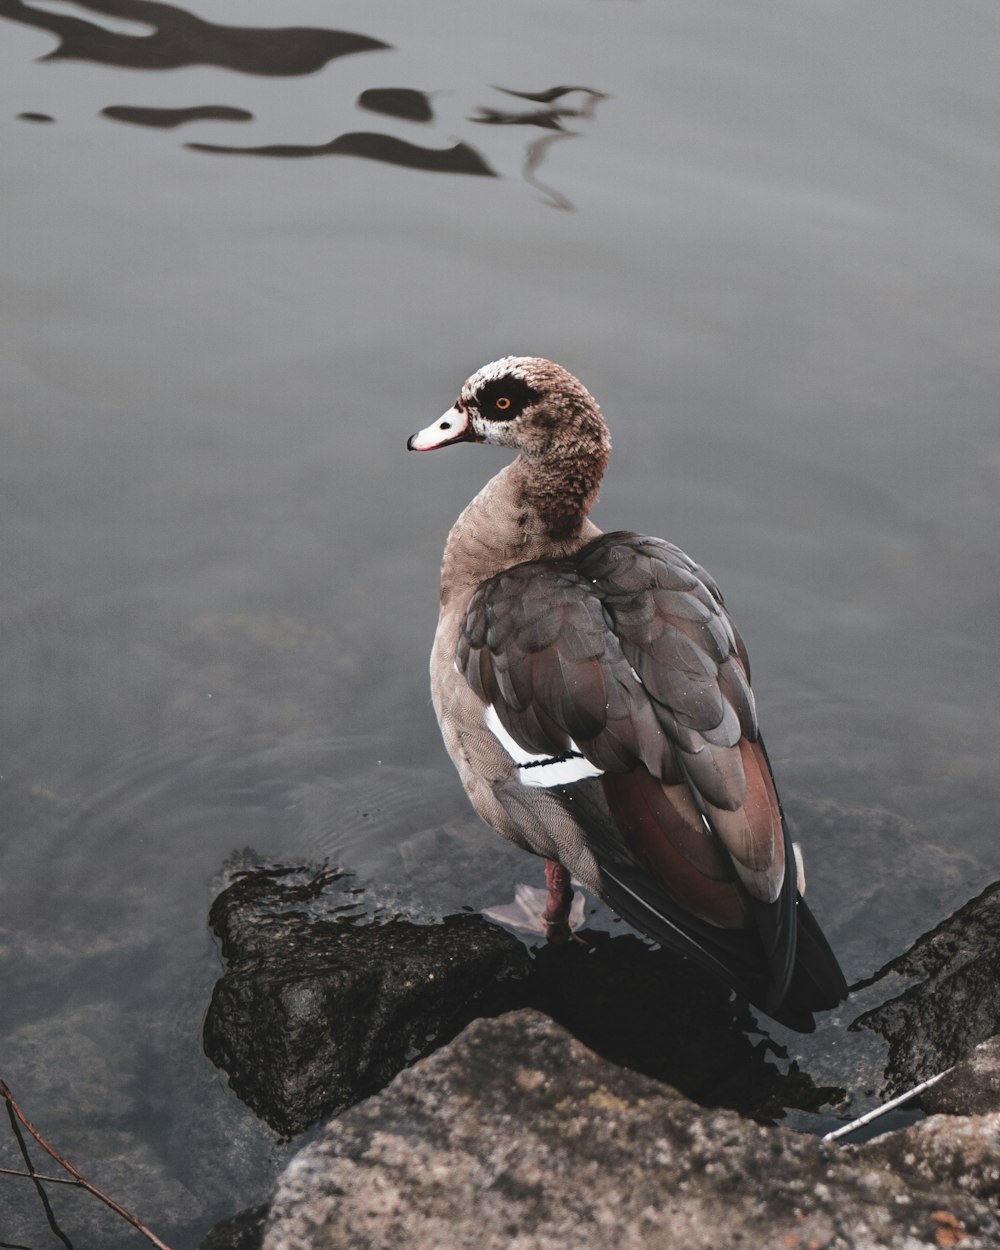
(594, 695)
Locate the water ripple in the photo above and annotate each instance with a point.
(181, 39)
(169, 119)
(403, 102)
(459, 159)
(148, 34)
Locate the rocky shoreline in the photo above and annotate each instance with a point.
(493, 1099)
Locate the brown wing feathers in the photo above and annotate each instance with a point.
(663, 828)
(625, 650)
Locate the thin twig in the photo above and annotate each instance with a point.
(874, 1114)
(64, 1163)
(40, 1176)
(43, 1197)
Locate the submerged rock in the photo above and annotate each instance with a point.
(953, 1002)
(242, 1232)
(515, 1134)
(318, 1008)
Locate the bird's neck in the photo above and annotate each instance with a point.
(533, 509)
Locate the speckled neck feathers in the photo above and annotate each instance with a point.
(537, 507)
(562, 487)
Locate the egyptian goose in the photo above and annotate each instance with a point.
(595, 698)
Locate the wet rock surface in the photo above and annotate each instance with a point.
(953, 1000)
(315, 1012)
(516, 1134)
(320, 1007)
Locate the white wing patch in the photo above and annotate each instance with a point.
(541, 770)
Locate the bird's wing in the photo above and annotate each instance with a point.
(624, 656)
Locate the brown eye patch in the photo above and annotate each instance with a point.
(504, 398)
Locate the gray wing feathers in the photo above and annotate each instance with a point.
(625, 648)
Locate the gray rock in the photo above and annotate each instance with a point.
(517, 1136)
(971, 1087)
(944, 1152)
(954, 1002)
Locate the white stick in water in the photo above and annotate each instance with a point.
(886, 1106)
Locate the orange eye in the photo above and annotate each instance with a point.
(503, 403)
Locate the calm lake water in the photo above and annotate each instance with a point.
(767, 237)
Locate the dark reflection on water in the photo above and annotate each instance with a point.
(404, 102)
(172, 38)
(550, 118)
(168, 119)
(181, 39)
(622, 998)
(581, 106)
(412, 105)
(460, 159)
(533, 157)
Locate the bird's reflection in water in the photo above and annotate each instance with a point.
(151, 35)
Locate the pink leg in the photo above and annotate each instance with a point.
(560, 898)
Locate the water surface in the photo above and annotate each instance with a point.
(242, 263)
